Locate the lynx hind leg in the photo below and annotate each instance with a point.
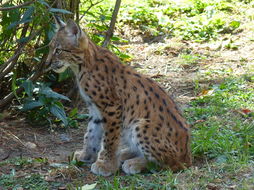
(92, 138)
(136, 156)
(151, 148)
(126, 154)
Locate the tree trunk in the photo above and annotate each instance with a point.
(110, 31)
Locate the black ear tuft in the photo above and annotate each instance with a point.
(59, 22)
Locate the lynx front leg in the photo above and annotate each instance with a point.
(107, 162)
(92, 137)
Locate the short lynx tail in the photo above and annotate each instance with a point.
(177, 163)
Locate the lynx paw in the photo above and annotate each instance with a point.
(102, 168)
(126, 154)
(134, 165)
(81, 155)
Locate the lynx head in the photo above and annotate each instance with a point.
(67, 44)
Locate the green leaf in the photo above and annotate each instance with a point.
(28, 86)
(89, 187)
(234, 24)
(9, 17)
(44, 3)
(31, 105)
(12, 25)
(27, 15)
(73, 112)
(14, 85)
(54, 10)
(23, 40)
(50, 34)
(82, 116)
(25, 19)
(72, 123)
(51, 94)
(115, 38)
(59, 113)
(64, 75)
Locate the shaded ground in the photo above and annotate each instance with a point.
(185, 69)
(18, 138)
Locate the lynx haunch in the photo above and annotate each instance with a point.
(132, 119)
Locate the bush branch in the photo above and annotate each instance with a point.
(39, 71)
(16, 7)
(91, 6)
(110, 31)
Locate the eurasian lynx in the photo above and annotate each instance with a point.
(132, 119)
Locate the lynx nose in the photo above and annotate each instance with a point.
(47, 65)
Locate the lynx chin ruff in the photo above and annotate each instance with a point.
(132, 119)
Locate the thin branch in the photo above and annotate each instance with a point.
(91, 6)
(112, 24)
(18, 6)
(7, 50)
(39, 71)
(18, 52)
(77, 11)
(6, 68)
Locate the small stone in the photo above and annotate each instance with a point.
(65, 138)
(30, 145)
(61, 188)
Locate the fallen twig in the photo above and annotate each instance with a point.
(13, 137)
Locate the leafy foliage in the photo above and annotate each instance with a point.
(41, 101)
(190, 19)
(26, 31)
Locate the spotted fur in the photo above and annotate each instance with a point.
(132, 119)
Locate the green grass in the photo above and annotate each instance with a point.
(224, 130)
(33, 181)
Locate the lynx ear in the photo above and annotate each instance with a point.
(74, 30)
(59, 22)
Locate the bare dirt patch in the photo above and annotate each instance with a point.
(18, 138)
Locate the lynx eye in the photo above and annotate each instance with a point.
(58, 51)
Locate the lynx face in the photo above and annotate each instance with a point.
(67, 43)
